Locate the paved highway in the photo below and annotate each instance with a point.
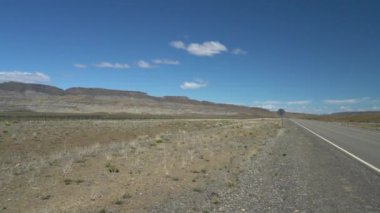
(361, 144)
(300, 172)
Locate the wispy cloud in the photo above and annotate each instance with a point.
(112, 65)
(208, 48)
(293, 105)
(141, 63)
(302, 102)
(268, 102)
(239, 51)
(268, 106)
(178, 44)
(274, 102)
(80, 66)
(322, 106)
(166, 61)
(197, 84)
(144, 64)
(25, 77)
(345, 108)
(345, 101)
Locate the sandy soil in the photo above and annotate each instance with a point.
(120, 166)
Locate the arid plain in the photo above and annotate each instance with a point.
(121, 165)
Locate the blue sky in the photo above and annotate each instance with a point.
(305, 56)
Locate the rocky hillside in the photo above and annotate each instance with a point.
(43, 98)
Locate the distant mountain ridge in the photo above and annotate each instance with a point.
(100, 91)
(17, 96)
(23, 87)
(353, 116)
(355, 113)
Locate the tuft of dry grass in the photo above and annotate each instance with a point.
(88, 173)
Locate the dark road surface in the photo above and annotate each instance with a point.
(363, 144)
(298, 172)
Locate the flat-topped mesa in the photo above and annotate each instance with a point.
(51, 90)
(44, 98)
(177, 99)
(106, 92)
(23, 87)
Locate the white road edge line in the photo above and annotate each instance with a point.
(340, 148)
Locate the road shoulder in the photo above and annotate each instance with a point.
(295, 172)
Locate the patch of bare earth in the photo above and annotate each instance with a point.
(119, 166)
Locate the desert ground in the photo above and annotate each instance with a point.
(66, 165)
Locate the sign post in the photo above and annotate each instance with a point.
(281, 113)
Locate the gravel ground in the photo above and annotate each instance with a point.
(124, 165)
(295, 172)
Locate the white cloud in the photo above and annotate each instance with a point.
(329, 106)
(239, 51)
(197, 84)
(345, 108)
(303, 102)
(342, 101)
(144, 64)
(268, 106)
(277, 103)
(208, 48)
(166, 61)
(290, 106)
(352, 104)
(178, 44)
(112, 65)
(269, 102)
(25, 77)
(80, 66)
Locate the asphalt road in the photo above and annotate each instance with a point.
(294, 172)
(364, 144)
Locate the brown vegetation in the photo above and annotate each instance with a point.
(120, 165)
